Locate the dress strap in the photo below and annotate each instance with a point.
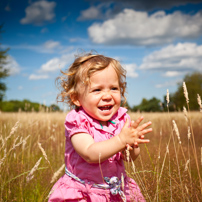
(113, 184)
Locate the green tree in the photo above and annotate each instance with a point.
(3, 72)
(194, 86)
(55, 107)
(152, 105)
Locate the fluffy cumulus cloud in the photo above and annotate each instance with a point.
(138, 28)
(12, 66)
(53, 65)
(56, 64)
(174, 58)
(130, 69)
(39, 12)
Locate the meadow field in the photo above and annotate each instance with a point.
(32, 145)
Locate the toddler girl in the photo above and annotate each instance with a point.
(97, 132)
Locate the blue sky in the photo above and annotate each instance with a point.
(157, 42)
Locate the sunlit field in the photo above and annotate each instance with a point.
(32, 145)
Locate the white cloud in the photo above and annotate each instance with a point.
(130, 69)
(100, 11)
(179, 57)
(138, 28)
(51, 45)
(12, 66)
(172, 73)
(168, 83)
(37, 77)
(39, 12)
(91, 13)
(57, 63)
(53, 65)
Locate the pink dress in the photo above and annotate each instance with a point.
(69, 189)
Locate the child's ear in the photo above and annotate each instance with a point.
(75, 100)
(77, 103)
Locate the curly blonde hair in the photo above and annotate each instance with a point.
(81, 70)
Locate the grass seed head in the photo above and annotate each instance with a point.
(189, 133)
(13, 130)
(185, 92)
(43, 152)
(30, 176)
(167, 97)
(176, 131)
(57, 173)
(185, 113)
(186, 165)
(199, 102)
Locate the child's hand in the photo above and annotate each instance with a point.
(133, 134)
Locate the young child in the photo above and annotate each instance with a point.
(97, 133)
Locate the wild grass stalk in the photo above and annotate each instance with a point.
(176, 156)
(30, 176)
(167, 150)
(136, 175)
(193, 138)
(157, 168)
(45, 155)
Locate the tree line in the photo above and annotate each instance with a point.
(26, 106)
(177, 100)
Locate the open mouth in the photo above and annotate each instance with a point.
(105, 108)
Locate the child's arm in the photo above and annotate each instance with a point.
(95, 152)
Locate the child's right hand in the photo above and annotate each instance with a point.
(133, 134)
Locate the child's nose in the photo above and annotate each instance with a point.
(107, 96)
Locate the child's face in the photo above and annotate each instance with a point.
(102, 98)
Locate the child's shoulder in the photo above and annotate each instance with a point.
(78, 116)
(75, 114)
(121, 113)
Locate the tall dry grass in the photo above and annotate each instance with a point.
(166, 169)
(32, 156)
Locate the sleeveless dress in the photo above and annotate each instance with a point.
(69, 189)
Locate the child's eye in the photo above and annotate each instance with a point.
(114, 88)
(96, 90)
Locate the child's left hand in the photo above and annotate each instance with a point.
(140, 130)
